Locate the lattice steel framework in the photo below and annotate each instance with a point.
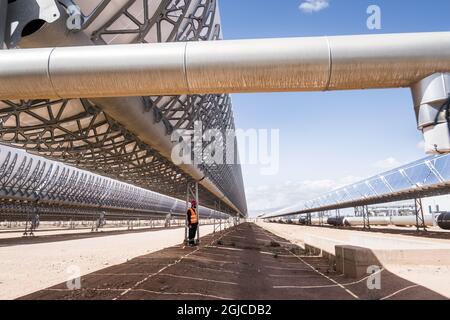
(81, 134)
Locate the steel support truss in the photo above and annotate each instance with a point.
(420, 220)
(363, 211)
(322, 222)
(308, 219)
(32, 221)
(217, 226)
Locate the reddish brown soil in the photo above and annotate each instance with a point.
(245, 262)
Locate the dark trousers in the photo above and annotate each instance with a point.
(192, 233)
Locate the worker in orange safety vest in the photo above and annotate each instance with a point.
(192, 220)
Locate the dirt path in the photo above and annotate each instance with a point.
(245, 262)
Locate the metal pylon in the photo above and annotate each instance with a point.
(98, 220)
(308, 219)
(217, 211)
(420, 219)
(337, 215)
(32, 222)
(168, 220)
(363, 211)
(366, 218)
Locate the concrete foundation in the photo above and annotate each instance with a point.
(425, 261)
(354, 262)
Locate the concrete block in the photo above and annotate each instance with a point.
(354, 261)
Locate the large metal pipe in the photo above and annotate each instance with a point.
(374, 221)
(401, 221)
(291, 64)
(444, 221)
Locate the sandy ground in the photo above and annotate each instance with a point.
(386, 247)
(396, 228)
(28, 268)
(242, 263)
(373, 240)
(49, 232)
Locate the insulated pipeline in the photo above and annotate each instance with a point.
(214, 67)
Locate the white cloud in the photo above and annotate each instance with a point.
(387, 164)
(421, 145)
(269, 199)
(309, 6)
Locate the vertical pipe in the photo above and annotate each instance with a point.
(186, 226)
(214, 218)
(416, 209)
(367, 218)
(198, 212)
(3, 16)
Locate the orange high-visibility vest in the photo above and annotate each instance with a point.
(194, 217)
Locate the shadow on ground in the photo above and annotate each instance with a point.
(243, 263)
(73, 236)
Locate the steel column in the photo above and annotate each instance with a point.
(198, 212)
(366, 217)
(356, 210)
(308, 219)
(321, 214)
(420, 219)
(3, 21)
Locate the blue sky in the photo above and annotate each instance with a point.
(327, 139)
